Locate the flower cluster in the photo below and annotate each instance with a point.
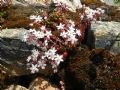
(53, 34)
(4, 3)
(50, 41)
(91, 14)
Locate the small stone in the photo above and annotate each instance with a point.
(41, 84)
(16, 87)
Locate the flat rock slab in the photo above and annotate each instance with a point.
(13, 52)
(107, 35)
(12, 33)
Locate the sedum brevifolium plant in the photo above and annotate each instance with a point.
(53, 35)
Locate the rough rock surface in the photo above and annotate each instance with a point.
(12, 33)
(71, 4)
(13, 51)
(10, 44)
(107, 35)
(31, 2)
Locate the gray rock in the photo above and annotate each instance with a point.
(31, 2)
(110, 2)
(13, 48)
(13, 51)
(107, 35)
(72, 4)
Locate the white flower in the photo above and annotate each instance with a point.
(43, 28)
(39, 34)
(71, 28)
(48, 34)
(35, 54)
(78, 32)
(32, 17)
(71, 31)
(52, 50)
(45, 42)
(72, 39)
(41, 64)
(58, 59)
(60, 26)
(32, 30)
(81, 17)
(45, 17)
(89, 12)
(63, 34)
(36, 18)
(29, 58)
(34, 68)
(50, 54)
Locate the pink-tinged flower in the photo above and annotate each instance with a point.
(58, 59)
(78, 32)
(41, 64)
(33, 17)
(71, 29)
(46, 42)
(81, 17)
(45, 17)
(34, 68)
(50, 54)
(60, 26)
(43, 28)
(36, 18)
(63, 34)
(39, 34)
(29, 58)
(35, 54)
(32, 30)
(48, 34)
(49, 41)
(72, 39)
